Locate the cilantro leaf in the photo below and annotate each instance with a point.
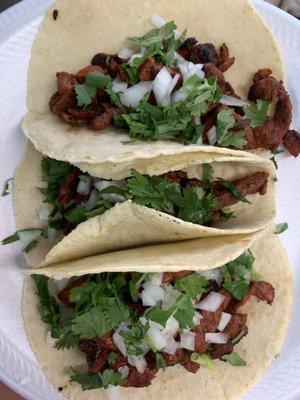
(85, 94)
(234, 359)
(225, 137)
(101, 319)
(112, 358)
(192, 285)
(80, 213)
(273, 158)
(237, 275)
(204, 360)
(155, 36)
(234, 190)
(102, 380)
(280, 228)
(5, 191)
(207, 176)
(160, 362)
(257, 113)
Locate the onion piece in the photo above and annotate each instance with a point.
(225, 318)
(157, 21)
(232, 101)
(171, 295)
(152, 291)
(119, 342)
(156, 279)
(212, 275)
(112, 392)
(124, 371)
(177, 96)
(187, 340)
(133, 95)
(44, 213)
(83, 187)
(178, 57)
(172, 346)
(157, 337)
(161, 85)
(125, 53)
(173, 83)
(177, 34)
(119, 86)
(139, 362)
(216, 338)
(147, 300)
(113, 198)
(92, 201)
(29, 235)
(172, 326)
(212, 136)
(189, 69)
(211, 302)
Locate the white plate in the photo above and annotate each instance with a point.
(18, 366)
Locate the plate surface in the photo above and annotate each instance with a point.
(18, 366)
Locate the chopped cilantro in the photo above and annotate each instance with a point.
(204, 360)
(87, 91)
(192, 285)
(226, 137)
(5, 191)
(273, 158)
(234, 359)
(237, 275)
(280, 228)
(257, 113)
(207, 176)
(101, 380)
(134, 336)
(160, 362)
(112, 358)
(238, 338)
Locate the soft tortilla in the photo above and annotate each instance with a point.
(127, 224)
(267, 329)
(105, 26)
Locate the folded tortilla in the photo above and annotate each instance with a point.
(267, 328)
(104, 26)
(127, 224)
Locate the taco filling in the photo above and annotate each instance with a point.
(130, 325)
(173, 88)
(75, 197)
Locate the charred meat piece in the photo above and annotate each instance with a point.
(102, 121)
(251, 184)
(87, 113)
(219, 350)
(201, 345)
(101, 60)
(203, 53)
(150, 68)
(291, 142)
(191, 366)
(68, 187)
(176, 176)
(136, 379)
(108, 343)
(272, 132)
(169, 277)
(120, 362)
(224, 62)
(211, 70)
(185, 49)
(180, 356)
(64, 294)
(81, 75)
(96, 356)
(236, 325)
(65, 82)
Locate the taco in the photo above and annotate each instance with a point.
(168, 94)
(167, 334)
(63, 214)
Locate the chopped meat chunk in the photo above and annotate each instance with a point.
(102, 121)
(169, 277)
(65, 82)
(291, 142)
(68, 187)
(135, 379)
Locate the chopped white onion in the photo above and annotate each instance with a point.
(92, 201)
(232, 101)
(172, 346)
(197, 318)
(156, 279)
(112, 392)
(136, 55)
(225, 318)
(152, 291)
(28, 236)
(157, 336)
(217, 338)
(44, 213)
(119, 86)
(84, 186)
(113, 198)
(119, 342)
(124, 371)
(211, 302)
(139, 362)
(133, 95)
(173, 83)
(189, 69)
(177, 34)
(143, 321)
(178, 57)
(148, 301)
(171, 295)
(212, 136)
(157, 21)
(125, 53)
(161, 85)
(187, 340)
(172, 326)
(178, 95)
(212, 275)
